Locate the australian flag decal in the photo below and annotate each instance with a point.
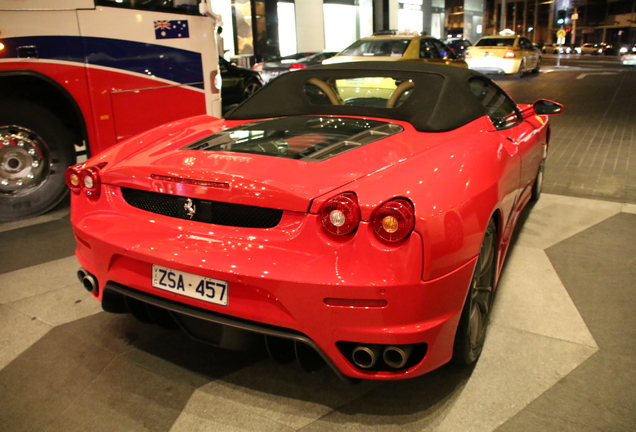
(174, 29)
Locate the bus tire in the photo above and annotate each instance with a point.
(35, 150)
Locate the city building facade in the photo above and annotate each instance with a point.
(256, 30)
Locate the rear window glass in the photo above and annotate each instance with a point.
(378, 48)
(310, 138)
(495, 42)
(378, 92)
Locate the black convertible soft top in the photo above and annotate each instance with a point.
(441, 98)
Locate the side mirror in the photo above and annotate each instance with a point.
(546, 107)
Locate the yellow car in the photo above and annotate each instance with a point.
(396, 47)
(503, 55)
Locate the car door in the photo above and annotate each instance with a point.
(529, 53)
(514, 133)
(434, 51)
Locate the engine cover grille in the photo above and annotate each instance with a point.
(199, 210)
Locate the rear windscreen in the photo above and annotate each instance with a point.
(377, 48)
(495, 42)
(305, 138)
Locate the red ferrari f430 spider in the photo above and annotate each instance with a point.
(355, 214)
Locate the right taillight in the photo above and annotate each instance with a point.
(341, 214)
(394, 220)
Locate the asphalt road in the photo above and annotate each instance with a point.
(593, 146)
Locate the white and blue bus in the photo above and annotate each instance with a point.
(81, 75)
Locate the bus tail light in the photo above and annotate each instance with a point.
(394, 220)
(215, 80)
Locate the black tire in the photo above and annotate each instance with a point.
(471, 332)
(35, 150)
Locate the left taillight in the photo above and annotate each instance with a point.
(341, 214)
(81, 178)
(297, 66)
(394, 220)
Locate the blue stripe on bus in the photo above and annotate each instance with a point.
(168, 63)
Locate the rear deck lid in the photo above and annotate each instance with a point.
(281, 163)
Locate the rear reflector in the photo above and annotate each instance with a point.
(358, 303)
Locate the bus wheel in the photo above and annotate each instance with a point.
(35, 149)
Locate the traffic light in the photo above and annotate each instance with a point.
(561, 17)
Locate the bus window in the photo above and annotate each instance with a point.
(173, 6)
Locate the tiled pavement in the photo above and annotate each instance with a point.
(559, 356)
(593, 147)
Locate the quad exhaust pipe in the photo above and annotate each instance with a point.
(396, 356)
(366, 356)
(88, 280)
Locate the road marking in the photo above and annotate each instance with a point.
(596, 73)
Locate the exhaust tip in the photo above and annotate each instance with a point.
(365, 356)
(397, 356)
(88, 281)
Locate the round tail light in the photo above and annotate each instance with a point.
(91, 182)
(82, 179)
(394, 220)
(341, 214)
(72, 177)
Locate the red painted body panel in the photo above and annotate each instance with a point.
(269, 278)
(280, 276)
(120, 104)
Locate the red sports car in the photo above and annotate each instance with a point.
(356, 214)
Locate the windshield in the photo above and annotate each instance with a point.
(377, 48)
(379, 92)
(496, 42)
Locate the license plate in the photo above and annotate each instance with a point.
(190, 285)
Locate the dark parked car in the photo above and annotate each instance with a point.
(272, 68)
(238, 83)
(615, 49)
(458, 45)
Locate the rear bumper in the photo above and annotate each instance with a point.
(494, 65)
(279, 282)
